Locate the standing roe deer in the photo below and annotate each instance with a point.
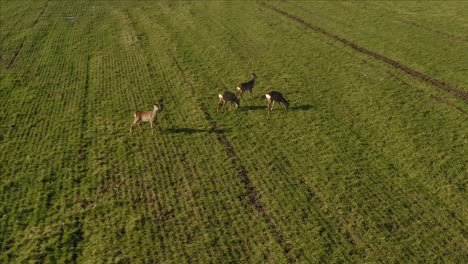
(246, 86)
(274, 96)
(227, 97)
(150, 117)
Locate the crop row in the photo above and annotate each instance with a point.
(365, 165)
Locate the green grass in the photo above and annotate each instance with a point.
(369, 164)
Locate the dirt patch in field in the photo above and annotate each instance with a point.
(420, 76)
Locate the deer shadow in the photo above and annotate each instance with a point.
(252, 107)
(186, 130)
(264, 107)
(301, 107)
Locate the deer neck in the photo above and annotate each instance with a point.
(154, 113)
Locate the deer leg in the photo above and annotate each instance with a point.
(151, 124)
(220, 105)
(272, 105)
(139, 126)
(133, 124)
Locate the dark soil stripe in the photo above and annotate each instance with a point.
(83, 152)
(421, 76)
(40, 14)
(14, 26)
(449, 35)
(13, 59)
(254, 195)
(436, 98)
(443, 101)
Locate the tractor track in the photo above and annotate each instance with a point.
(435, 98)
(403, 21)
(18, 50)
(443, 101)
(13, 27)
(417, 74)
(253, 194)
(448, 35)
(83, 152)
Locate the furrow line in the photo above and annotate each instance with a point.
(449, 35)
(253, 193)
(40, 14)
(443, 101)
(419, 75)
(13, 26)
(13, 59)
(83, 152)
(158, 212)
(18, 50)
(435, 98)
(404, 83)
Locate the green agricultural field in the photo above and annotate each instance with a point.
(368, 165)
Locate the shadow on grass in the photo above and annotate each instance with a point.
(277, 106)
(301, 107)
(186, 130)
(253, 108)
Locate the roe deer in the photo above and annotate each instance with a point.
(274, 96)
(150, 117)
(246, 86)
(227, 97)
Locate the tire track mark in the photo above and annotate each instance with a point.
(253, 194)
(314, 195)
(419, 75)
(190, 205)
(443, 101)
(40, 14)
(406, 84)
(13, 27)
(18, 50)
(435, 98)
(449, 35)
(13, 59)
(390, 201)
(83, 152)
(403, 21)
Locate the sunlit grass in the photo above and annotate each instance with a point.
(365, 166)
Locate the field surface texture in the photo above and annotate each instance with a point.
(368, 165)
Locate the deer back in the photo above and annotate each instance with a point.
(277, 96)
(247, 85)
(147, 116)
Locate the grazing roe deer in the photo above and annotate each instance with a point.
(150, 117)
(246, 86)
(274, 96)
(227, 97)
